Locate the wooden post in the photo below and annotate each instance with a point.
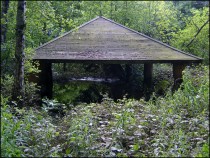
(147, 80)
(46, 81)
(43, 79)
(177, 74)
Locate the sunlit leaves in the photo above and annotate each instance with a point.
(176, 125)
(40, 23)
(200, 45)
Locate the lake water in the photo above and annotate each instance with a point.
(89, 89)
(72, 87)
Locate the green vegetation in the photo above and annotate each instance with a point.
(174, 125)
(73, 92)
(168, 125)
(175, 23)
(68, 93)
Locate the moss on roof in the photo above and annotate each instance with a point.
(104, 40)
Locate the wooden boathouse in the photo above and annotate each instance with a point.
(104, 41)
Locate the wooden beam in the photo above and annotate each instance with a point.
(177, 74)
(147, 80)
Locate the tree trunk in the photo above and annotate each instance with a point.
(115, 7)
(18, 90)
(125, 18)
(100, 11)
(111, 4)
(4, 9)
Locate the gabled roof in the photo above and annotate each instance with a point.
(103, 40)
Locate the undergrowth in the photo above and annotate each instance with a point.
(176, 125)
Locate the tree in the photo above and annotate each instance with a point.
(18, 90)
(199, 30)
(194, 37)
(4, 10)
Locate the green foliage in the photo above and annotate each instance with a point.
(195, 85)
(9, 128)
(30, 66)
(82, 134)
(175, 23)
(38, 133)
(205, 151)
(200, 46)
(162, 86)
(54, 108)
(40, 26)
(31, 89)
(26, 133)
(69, 93)
(194, 88)
(183, 112)
(7, 85)
(31, 93)
(170, 126)
(166, 18)
(174, 125)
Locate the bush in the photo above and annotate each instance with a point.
(31, 90)
(183, 116)
(170, 126)
(9, 128)
(26, 133)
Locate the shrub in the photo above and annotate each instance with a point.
(31, 89)
(9, 127)
(26, 133)
(183, 116)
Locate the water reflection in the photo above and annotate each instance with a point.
(115, 80)
(89, 89)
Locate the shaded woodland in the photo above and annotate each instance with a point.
(80, 122)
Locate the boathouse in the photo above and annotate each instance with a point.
(104, 41)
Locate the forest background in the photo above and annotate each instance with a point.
(182, 24)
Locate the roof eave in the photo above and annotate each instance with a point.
(119, 61)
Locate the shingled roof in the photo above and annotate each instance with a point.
(103, 40)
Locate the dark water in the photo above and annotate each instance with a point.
(87, 89)
(110, 80)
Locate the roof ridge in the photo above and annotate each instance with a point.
(152, 39)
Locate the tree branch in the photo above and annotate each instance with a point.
(195, 25)
(197, 33)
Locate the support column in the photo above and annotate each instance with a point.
(46, 81)
(147, 80)
(177, 74)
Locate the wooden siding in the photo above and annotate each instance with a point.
(105, 41)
